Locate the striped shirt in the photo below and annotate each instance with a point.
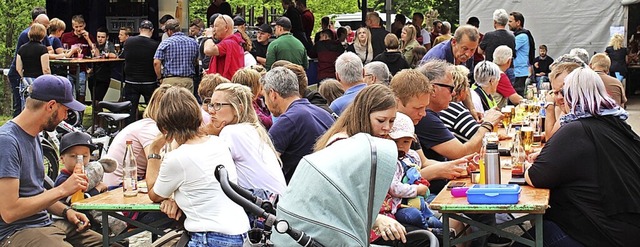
(459, 121)
(178, 54)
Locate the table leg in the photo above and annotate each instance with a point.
(105, 229)
(539, 232)
(445, 230)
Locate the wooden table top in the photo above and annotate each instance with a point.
(85, 60)
(115, 200)
(532, 200)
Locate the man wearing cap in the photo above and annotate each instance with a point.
(141, 79)
(176, 57)
(261, 43)
(286, 47)
(227, 57)
(239, 24)
(26, 205)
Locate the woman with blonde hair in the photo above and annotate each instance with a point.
(618, 55)
(249, 60)
(251, 78)
(32, 59)
(186, 173)
(141, 133)
(408, 42)
(235, 121)
(362, 45)
(330, 89)
(457, 117)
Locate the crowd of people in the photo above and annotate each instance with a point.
(260, 118)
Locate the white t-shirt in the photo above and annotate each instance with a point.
(426, 37)
(477, 102)
(141, 133)
(188, 173)
(249, 59)
(256, 162)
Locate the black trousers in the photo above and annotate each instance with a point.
(520, 85)
(132, 92)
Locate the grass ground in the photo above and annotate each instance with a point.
(86, 120)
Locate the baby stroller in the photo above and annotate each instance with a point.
(334, 196)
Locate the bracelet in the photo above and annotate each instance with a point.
(549, 104)
(64, 212)
(488, 126)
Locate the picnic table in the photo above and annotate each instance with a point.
(112, 202)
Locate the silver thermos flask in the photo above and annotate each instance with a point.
(492, 163)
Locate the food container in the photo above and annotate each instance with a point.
(494, 194)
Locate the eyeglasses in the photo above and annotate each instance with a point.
(449, 87)
(206, 101)
(217, 106)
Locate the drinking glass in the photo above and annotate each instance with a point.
(526, 136)
(117, 46)
(506, 118)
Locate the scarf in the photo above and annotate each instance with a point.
(580, 113)
(364, 52)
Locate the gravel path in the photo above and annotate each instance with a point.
(142, 239)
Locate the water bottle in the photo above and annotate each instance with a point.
(492, 163)
(130, 174)
(79, 169)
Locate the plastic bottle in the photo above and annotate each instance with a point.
(130, 172)
(481, 165)
(518, 155)
(492, 163)
(79, 169)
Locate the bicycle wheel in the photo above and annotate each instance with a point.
(51, 165)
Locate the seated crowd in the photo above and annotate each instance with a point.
(259, 123)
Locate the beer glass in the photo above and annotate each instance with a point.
(526, 135)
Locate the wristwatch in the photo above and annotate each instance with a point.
(64, 212)
(154, 156)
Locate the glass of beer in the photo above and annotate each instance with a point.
(117, 47)
(526, 135)
(506, 118)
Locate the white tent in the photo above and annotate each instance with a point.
(561, 25)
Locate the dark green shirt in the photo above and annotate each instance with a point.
(287, 47)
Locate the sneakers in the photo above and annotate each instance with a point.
(439, 232)
(497, 241)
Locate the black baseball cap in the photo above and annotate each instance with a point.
(284, 22)
(146, 24)
(76, 139)
(265, 28)
(213, 17)
(238, 21)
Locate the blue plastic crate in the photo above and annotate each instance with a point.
(494, 194)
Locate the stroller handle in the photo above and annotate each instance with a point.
(234, 193)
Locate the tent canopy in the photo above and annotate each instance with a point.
(561, 25)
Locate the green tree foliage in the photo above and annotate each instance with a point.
(448, 9)
(16, 16)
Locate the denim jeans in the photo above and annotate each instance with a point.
(214, 239)
(23, 87)
(552, 236)
(422, 217)
(15, 92)
(80, 85)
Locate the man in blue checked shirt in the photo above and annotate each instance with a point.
(175, 58)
